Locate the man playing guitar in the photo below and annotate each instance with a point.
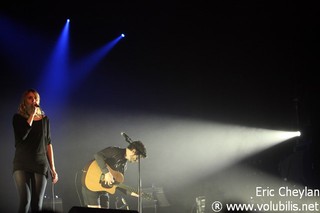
(105, 174)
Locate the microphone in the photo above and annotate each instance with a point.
(127, 138)
(37, 105)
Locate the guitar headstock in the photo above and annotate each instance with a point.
(147, 196)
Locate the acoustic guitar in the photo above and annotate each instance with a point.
(93, 180)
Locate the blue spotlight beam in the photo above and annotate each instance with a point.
(81, 69)
(54, 79)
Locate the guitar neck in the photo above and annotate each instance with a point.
(128, 188)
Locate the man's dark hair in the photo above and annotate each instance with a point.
(141, 149)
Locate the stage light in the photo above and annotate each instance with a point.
(298, 133)
(68, 20)
(286, 135)
(122, 35)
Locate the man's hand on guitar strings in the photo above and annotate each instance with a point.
(108, 178)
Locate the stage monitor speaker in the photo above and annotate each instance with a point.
(78, 209)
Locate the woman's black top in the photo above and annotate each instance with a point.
(31, 144)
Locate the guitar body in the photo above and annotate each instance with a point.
(92, 178)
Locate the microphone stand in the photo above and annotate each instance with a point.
(139, 186)
(129, 140)
(45, 151)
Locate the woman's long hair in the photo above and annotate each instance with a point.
(22, 109)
